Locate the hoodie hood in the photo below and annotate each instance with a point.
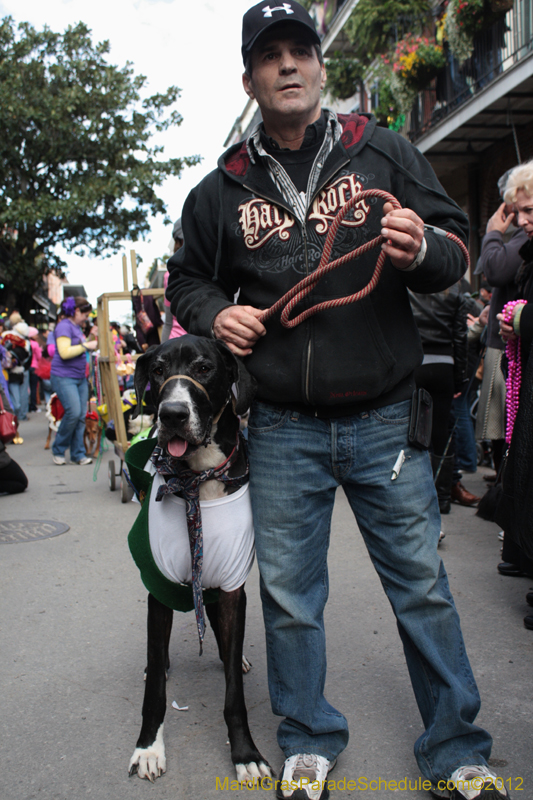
(357, 130)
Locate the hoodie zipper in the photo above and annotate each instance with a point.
(319, 188)
(266, 196)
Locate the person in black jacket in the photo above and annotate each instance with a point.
(514, 511)
(334, 392)
(441, 321)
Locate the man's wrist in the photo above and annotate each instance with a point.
(419, 258)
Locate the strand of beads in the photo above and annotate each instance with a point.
(514, 374)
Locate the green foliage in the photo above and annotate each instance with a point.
(76, 164)
(343, 75)
(375, 27)
(387, 110)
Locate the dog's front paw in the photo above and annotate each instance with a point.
(253, 771)
(149, 762)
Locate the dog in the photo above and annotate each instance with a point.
(54, 415)
(92, 435)
(191, 380)
(93, 426)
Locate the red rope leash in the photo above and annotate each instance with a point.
(305, 286)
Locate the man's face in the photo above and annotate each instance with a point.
(524, 212)
(286, 77)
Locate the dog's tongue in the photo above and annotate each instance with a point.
(176, 447)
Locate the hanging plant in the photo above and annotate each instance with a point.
(386, 110)
(343, 75)
(374, 27)
(464, 19)
(469, 16)
(416, 61)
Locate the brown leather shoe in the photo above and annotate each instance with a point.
(463, 496)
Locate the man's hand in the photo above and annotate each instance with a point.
(403, 231)
(484, 316)
(239, 328)
(500, 220)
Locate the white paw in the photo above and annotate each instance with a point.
(248, 773)
(149, 762)
(246, 665)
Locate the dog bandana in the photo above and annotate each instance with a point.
(187, 482)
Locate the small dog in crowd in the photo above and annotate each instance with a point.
(92, 435)
(93, 426)
(191, 380)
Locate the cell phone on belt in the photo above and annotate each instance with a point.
(421, 419)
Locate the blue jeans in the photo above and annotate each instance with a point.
(74, 395)
(20, 396)
(465, 439)
(296, 464)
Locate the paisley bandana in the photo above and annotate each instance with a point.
(187, 482)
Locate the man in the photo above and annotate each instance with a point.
(334, 392)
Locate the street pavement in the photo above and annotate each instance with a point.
(72, 653)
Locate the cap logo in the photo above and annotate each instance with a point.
(267, 11)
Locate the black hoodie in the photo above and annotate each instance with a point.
(241, 235)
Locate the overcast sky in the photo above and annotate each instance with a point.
(193, 44)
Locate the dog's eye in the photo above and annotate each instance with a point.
(157, 370)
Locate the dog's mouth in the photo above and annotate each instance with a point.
(177, 447)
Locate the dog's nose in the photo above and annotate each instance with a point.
(174, 413)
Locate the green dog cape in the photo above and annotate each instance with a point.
(177, 596)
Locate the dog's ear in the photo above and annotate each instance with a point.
(245, 384)
(142, 376)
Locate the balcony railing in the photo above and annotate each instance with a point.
(496, 49)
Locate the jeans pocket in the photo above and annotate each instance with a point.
(395, 414)
(264, 417)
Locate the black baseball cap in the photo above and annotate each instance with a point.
(264, 15)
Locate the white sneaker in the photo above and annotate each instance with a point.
(309, 771)
(59, 460)
(83, 461)
(471, 782)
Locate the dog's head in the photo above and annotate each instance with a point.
(191, 380)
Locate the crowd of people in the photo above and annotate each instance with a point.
(48, 370)
(346, 412)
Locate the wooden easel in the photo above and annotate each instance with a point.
(108, 359)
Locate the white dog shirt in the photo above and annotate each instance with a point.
(228, 536)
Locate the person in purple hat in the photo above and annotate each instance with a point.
(335, 392)
(69, 381)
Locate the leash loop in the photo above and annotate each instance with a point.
(291, 298)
